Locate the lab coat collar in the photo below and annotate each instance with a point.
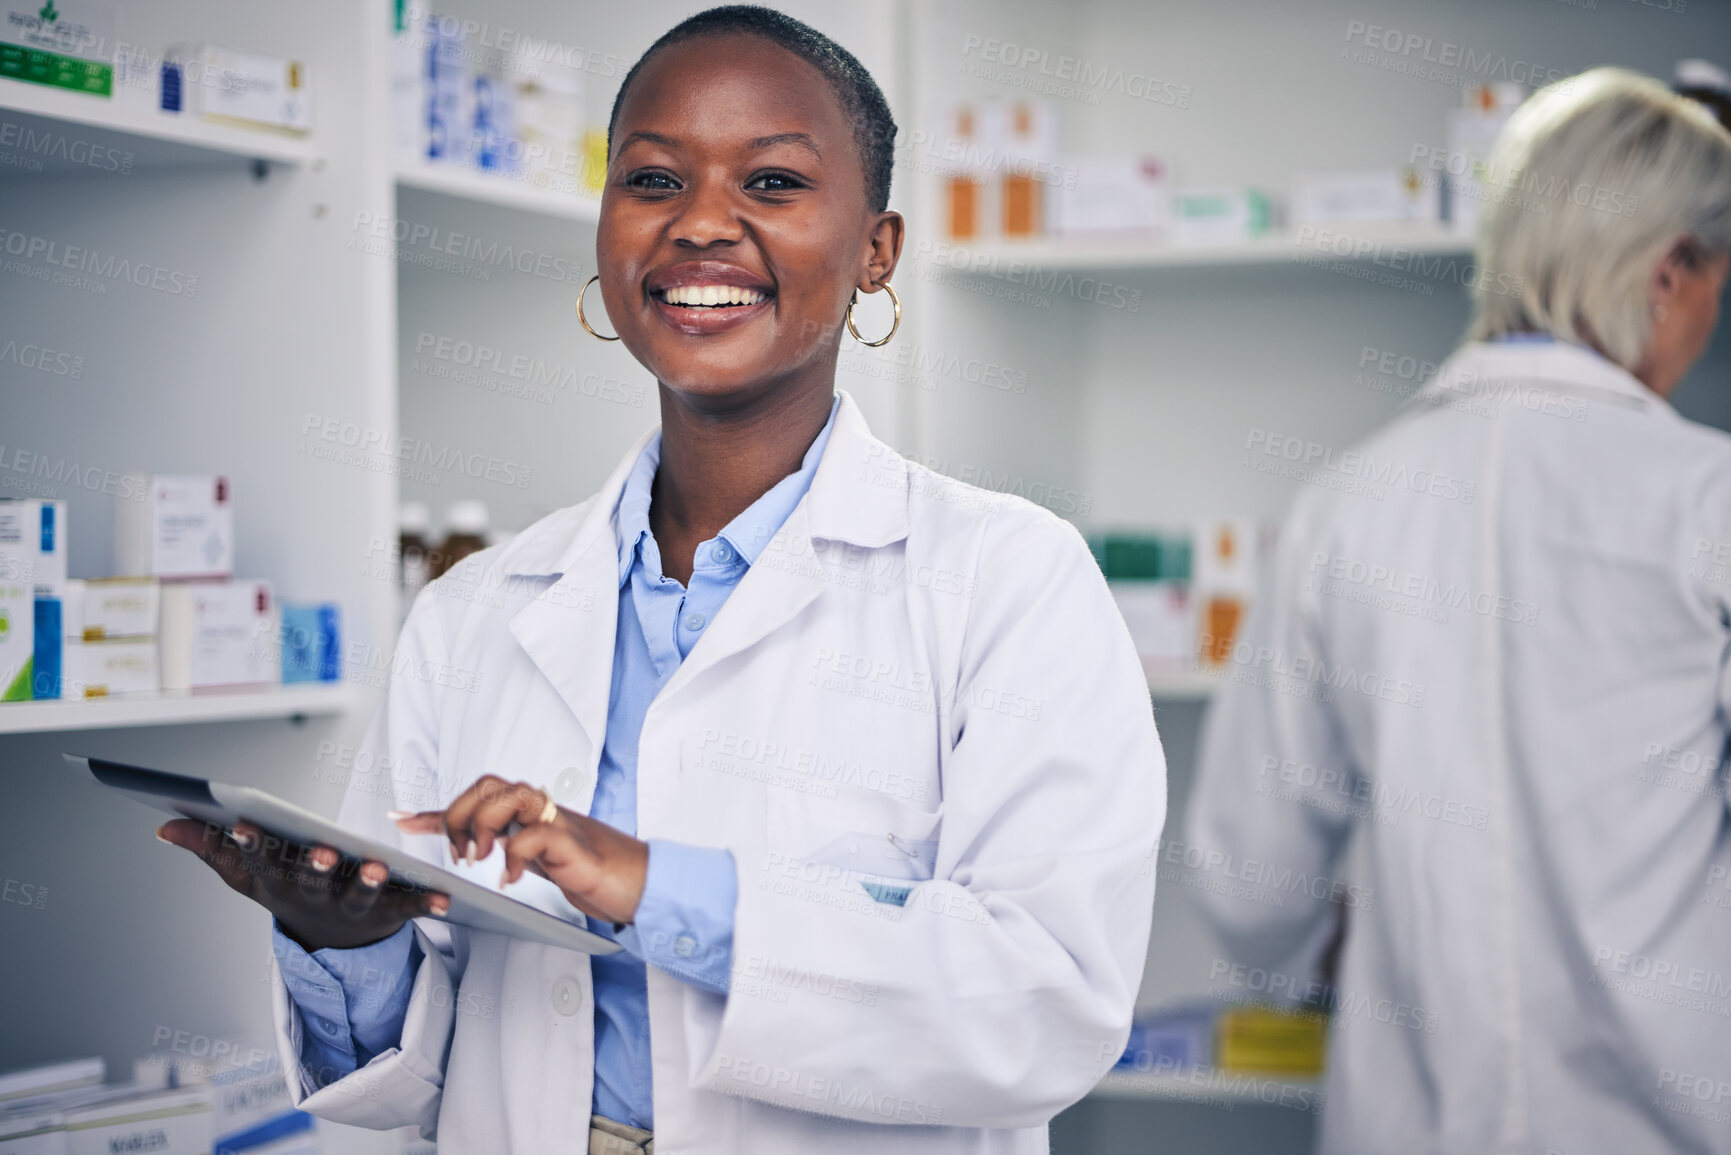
(858, 496)
(1561, 363)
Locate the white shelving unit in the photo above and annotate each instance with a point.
(503, 191)
(1275, 248)
(297, 701)
(158, 138)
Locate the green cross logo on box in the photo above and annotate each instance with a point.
(63, 46)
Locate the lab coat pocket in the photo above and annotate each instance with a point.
(860, 832)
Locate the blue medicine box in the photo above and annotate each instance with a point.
(311, 643)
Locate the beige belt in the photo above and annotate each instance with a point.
(609, 1138)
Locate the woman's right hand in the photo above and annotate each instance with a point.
(317, 899)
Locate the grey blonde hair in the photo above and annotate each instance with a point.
(1594, 180)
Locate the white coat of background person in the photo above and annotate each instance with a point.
(1481, 711)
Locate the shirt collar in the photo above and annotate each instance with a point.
(748, 533)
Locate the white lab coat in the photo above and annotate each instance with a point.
(1485, 714)
(918, 684)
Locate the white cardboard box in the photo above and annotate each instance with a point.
(1113, 194)
(219, 634)
(99, 608)
(241, 88)
(182, 528)
(173, 1122)
(107, 668)
(1358, 196)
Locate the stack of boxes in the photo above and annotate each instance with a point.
(1184, 596)
(175, 619)
(513, 106)
(65, 1109)
(174, 1105)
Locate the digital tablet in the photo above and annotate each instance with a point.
(224, 803)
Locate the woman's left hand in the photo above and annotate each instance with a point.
(600, 869)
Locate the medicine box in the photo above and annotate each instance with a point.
(239, 88)
(172, 1122)
(109, 668)
(1358, 196)
(99, 608)
(65, 44)
(44, 530)
(183, 527)
(1173, 1039)
(52, 1078)
(1161, 622)
(1112, 194)
(17, 606)
(218, 634)
(311, 643)
(1219, 216)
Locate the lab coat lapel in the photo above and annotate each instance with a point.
(568, 629)
(858, 498)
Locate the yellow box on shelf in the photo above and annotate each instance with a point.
(1270, 1040)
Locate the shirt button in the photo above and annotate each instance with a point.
(695, 621)
(721, 552)
(684, 946)
(330, 1027)
(567, 996)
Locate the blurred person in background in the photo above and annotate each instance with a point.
(1495, 698)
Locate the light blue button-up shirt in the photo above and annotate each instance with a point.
(353, 1003)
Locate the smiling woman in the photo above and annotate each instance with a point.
(855, 761)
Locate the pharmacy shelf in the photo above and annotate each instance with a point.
(295, 701)
(1339, 242)
(153, 137)
(1207, 1086)
(489, 188)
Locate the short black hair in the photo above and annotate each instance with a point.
(862, 101)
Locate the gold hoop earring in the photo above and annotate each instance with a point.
(584, 321)
(894, 300)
